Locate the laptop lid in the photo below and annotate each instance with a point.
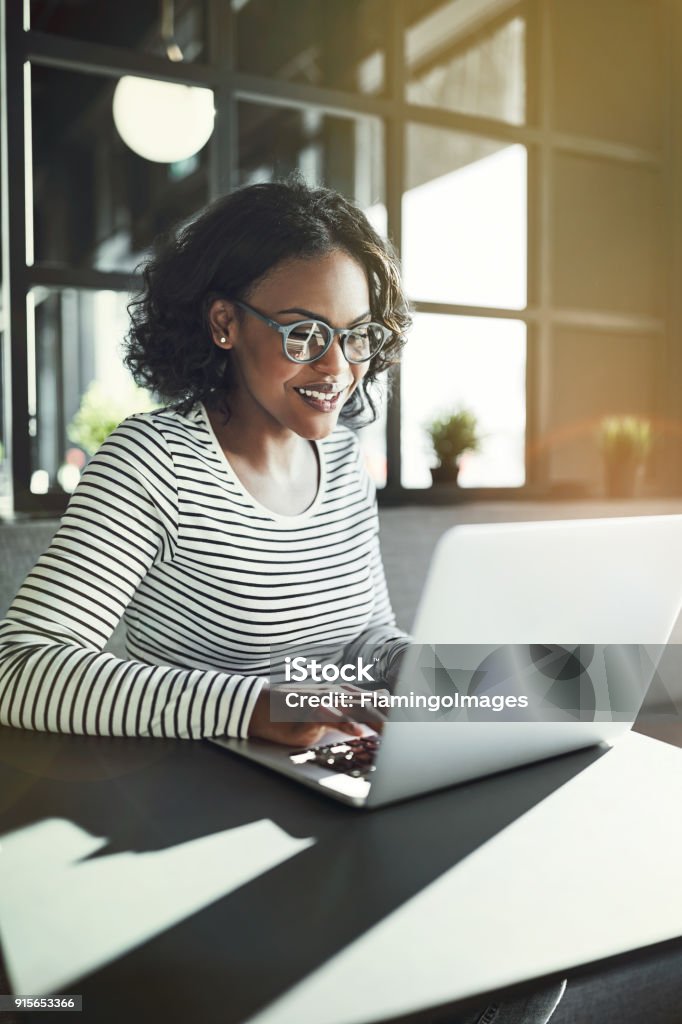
(606, 585)
(588, 581)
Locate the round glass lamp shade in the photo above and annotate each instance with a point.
(163, 121)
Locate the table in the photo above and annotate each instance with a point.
(169, 880)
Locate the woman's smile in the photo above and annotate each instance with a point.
(323, 397)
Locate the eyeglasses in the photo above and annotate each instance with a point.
(307, 340)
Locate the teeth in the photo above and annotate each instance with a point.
(324, 396)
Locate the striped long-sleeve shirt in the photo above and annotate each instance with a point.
(161, 532)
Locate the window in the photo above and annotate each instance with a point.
(78, 386)
(461, 57)
(476, 362)
(96, 203)
(464, 219)
(518, 153)
(332, 44)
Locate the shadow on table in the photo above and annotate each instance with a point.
(215, 884)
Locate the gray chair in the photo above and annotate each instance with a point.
(21, 545)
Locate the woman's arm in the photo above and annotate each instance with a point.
(54, 674)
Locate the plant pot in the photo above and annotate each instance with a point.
(622, 476)
(446, 473)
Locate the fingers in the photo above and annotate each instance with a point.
(336, 719)
(370, 716)
(364, 711)
(350, 728)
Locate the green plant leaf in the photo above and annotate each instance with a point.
(101, 412)
(453, 434)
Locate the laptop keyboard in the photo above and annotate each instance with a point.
(352, 757)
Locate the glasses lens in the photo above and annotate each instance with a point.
(364, 342)
(307, 341)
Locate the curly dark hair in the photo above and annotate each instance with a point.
(223, 253)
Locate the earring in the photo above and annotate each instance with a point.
(223, 341)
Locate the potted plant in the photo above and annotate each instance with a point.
(451, 436)
(101, 411)
(625, 443)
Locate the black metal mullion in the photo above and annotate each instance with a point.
(279, 92)
(668, 399)
(395, 186)
(55, 51)
(50, 276)
(486, 312)
(542, 201)
(224, 141)
(472, 124)
(14, 250)
(533, 470)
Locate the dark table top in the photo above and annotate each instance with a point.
(188, 932)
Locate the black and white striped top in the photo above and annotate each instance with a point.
(161, 531)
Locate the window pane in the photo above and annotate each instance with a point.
(75, 347)
(464, 219)
(595, 374)
(608, 69)
(609, 248)
(96, 202)
(332, 44)
(134, 24)
(458, 57)
(345, 153)
(480, 364)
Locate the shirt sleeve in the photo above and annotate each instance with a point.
(54, 674)
(381, 641)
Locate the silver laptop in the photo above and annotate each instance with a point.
(497, 599)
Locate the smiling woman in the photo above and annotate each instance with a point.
(239, 517)
(275, 402)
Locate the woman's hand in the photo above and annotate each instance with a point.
(274, 720)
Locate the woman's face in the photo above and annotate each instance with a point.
(269, 387)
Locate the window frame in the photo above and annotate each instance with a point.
(22, 46)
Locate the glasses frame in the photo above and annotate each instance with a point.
(331, 332)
